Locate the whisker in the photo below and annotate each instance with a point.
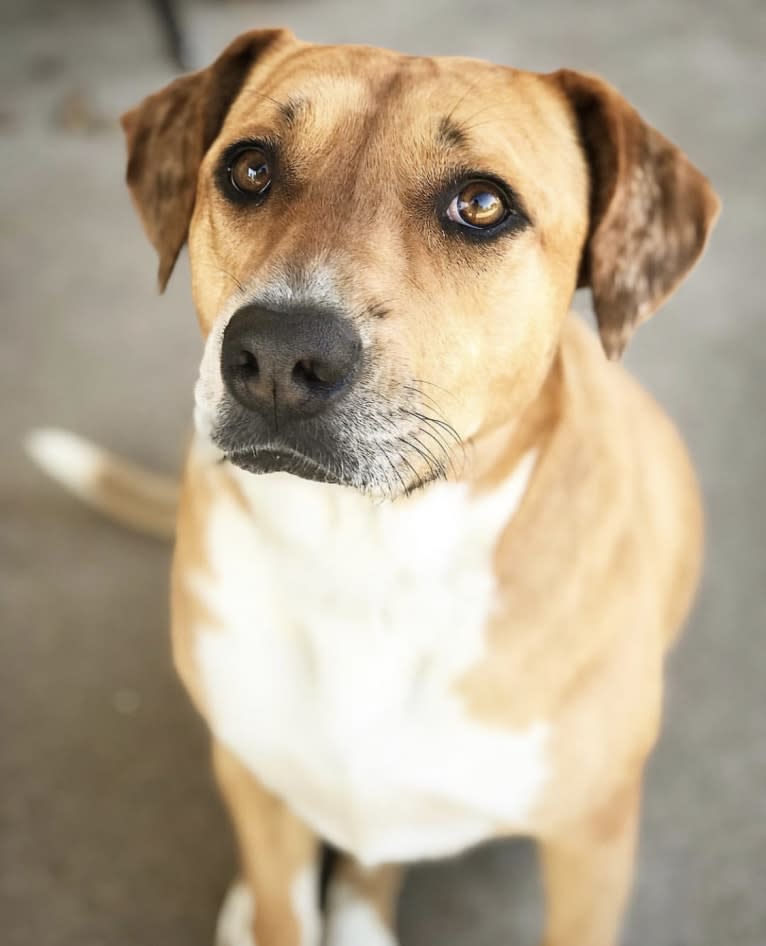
(462, 99)
(432, 384)
(448, 454)
(231, 276)
(395, 471)
(267, 97)
(431, 402)
(465, 124)
(418, 481)
(448, 428)
(435, 467)
(476, 125)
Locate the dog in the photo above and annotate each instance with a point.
(432, 542)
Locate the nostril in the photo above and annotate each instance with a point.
(315, 373)
(247, 363)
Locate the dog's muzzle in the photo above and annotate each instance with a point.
(285, 371)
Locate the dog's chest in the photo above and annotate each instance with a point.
(337, 631)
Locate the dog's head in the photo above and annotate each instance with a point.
(383, 248)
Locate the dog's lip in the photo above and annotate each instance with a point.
(280, 458)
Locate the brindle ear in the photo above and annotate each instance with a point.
(650, 210)
(168, 134)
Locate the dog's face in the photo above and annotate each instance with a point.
(403, 257)
(383, 247)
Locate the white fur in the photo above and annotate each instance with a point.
(209, 390)
(353, 921)
(305, 898)
(67, 458)
(340, 628)
(235, 919)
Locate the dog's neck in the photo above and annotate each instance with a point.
(493, 455)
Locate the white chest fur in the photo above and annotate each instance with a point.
(341, 627)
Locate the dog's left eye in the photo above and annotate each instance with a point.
(480, 205)
(250, 172)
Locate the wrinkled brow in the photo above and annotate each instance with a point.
(293, 109)
(450, 134)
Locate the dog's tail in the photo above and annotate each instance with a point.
(144, 501)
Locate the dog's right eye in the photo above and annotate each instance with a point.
(249, 172)
(480, 205)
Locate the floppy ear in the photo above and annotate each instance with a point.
(168, 134)
(650, 210)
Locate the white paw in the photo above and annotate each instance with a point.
(235, 919)
(352, 921)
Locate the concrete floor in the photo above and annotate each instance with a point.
(110, 833)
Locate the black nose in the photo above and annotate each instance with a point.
(291, 364)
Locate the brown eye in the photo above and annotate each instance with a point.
(480, 205)
(250, 172)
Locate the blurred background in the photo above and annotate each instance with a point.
(110, 831)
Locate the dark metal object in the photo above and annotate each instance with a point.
(173, 32)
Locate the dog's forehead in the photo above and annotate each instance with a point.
(369, 92)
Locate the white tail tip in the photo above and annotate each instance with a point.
(142, 500)
(66, 458)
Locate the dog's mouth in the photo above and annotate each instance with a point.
(370, 451)
(282, 459)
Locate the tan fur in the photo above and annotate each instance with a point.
(640, 523)
(587, 873)
(274, 848)
(596, 570)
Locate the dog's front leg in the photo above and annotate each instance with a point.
(587, 873)
(277, 902)
(361, 905)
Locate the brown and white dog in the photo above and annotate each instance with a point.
(442, 616)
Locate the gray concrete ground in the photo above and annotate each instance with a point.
(111, 832)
